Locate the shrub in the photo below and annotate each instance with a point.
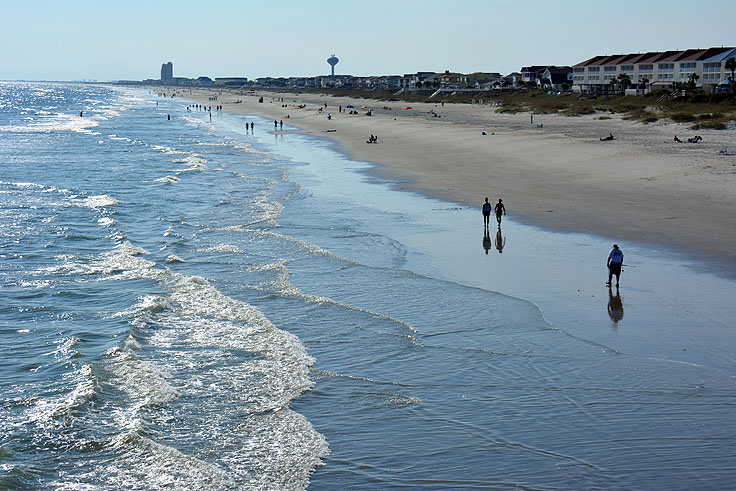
(682, 117)
(712, 125)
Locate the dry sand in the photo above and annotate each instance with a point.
(642, 186)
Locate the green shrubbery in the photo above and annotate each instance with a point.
(706, 110)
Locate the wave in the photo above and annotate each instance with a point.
(168, 179)
(98, 201)
(224, 248)
(55, 123)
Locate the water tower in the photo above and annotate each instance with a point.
(332, 60)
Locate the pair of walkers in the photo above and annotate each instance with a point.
(500, 209)
(615, 258)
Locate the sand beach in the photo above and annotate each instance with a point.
(554, 172)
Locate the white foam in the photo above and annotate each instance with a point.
(144, 382)
(168, 179)
(227, 248)
(98, 201)
(57, 122)
(194, 162)
(45, 410)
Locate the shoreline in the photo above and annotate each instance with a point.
(558, 176)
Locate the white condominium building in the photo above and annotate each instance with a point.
(654, 68)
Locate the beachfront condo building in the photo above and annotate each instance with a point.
(655, 69)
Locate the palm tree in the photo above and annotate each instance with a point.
(731, 65)
(623, 80)
(691, 80)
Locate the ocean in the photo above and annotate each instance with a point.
(187, 305)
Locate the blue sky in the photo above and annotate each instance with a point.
(110, 40)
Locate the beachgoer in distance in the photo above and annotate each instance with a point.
(614, 262)
(281, 124)
(500, 209)
(486, 212)
(251, 126)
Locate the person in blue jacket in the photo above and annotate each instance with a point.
(486, 212)
(614, 263)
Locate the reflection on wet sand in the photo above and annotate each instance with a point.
(486, 239)
(500, 240)
(615, 305)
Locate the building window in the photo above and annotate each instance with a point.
(665, 76)
(712, 67)
(579, 70)
(646, 68)
(609, 68)
(627, 68)
(666, 67)
(687, 67)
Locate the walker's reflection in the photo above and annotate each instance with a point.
(500, 240)
(615, 305)
(486, 239)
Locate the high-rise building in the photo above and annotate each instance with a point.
(167, 71)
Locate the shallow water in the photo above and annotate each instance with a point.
(190, 306)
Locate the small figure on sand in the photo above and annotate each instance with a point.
(677, 140)
(608, 138)
(281, 124)
(486, 212)
(372, 139)
(275, 124)
(251, 126)
(500, 209)
(614, 262)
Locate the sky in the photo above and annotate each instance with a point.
(129, 40)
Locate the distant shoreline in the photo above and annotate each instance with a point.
(642, 186)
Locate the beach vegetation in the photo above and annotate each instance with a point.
(731, 65)
(682, 104)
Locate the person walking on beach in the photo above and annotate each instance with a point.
(251, 126)
(275, 125)
(486, 210)
(500, 209)
(614, 263)
(281, 124)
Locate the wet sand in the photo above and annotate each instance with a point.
(640, 187)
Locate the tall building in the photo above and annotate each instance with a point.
(167, 71)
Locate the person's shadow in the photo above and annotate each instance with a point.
(486, 239)
(500, 240)
(615, 305)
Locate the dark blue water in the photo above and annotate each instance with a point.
(188, 306)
